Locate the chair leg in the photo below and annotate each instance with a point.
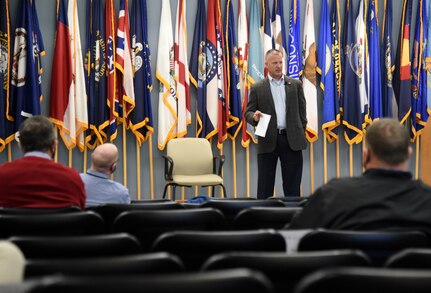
(173, 192)
(166, 189)
(224, 191)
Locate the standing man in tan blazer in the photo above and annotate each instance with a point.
(282, 98)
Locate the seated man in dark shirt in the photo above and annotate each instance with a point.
(385, 197)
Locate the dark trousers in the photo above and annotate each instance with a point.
(291, 170)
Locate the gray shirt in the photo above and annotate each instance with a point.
(101, 190)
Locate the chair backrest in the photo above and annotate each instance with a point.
(77, 246)
(378, 245)
(194, 247)
(30, 211)
(191, 156)
(226, 281)
(148, 225)
(410, 258)
(286, 270)
(110, 211)
(264, 217)
(370, 280)
(145, 201)
(230, 208)
(149, 263)
(77, 223)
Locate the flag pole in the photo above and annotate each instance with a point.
(84, 163)
(325, 160)
(9, 152)
(222, 195)
(247, 169)
(56, 153)
(70, 158)
(234, 167)
(150, 155)
(337, 159)
(138, 169)
(417, 157)
(312, 167)
(351, 159)
(124, 147)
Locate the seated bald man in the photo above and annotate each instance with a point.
(99, 188)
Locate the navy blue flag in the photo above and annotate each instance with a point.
(352, 114)
(6, 126)
(389, 104)
(198, 70)
(26, 91)
(402, 72)
(419, 114)
(233, 73)
(95, 65)
(375, 86)
(141, 119)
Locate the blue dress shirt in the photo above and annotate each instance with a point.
(279, 96)
(101, 190)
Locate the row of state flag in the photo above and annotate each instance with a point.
(352, 63)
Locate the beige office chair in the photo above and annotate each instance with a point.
(189, 162)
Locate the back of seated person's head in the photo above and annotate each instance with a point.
(104, 158)
(387, 145)
(37, 133)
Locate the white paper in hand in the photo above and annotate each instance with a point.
(262, 125)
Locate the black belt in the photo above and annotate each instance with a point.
(281, 131)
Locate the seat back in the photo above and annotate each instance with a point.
(378, 245)
(286, 270)
(77, 246)
(264, 217)
(110, 211)
(194, 247)
(77, 223)
(410, 258)
(191, 156)
(148, 225)
(145, 201)
(153, 263)
(370, 280)
(230, 208)
(227, 281)
(30, 211)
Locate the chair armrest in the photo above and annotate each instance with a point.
(169, 167)
(220, 159)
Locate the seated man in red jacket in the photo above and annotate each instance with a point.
(35, 181)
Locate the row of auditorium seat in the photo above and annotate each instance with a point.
(180, 263)
(194, 247)
(336, 276)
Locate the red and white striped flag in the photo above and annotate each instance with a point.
(123, 62)
(68, 108)
(182, 70)
(165, 74)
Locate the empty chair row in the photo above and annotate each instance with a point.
(237, 280)
(337, 279)
(229, 207)
(284, 271)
